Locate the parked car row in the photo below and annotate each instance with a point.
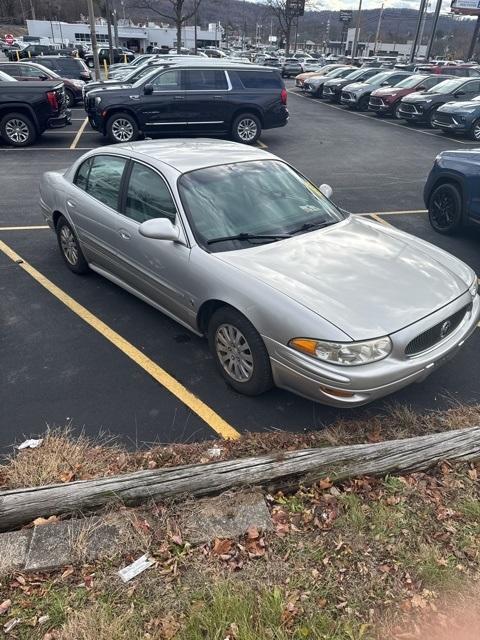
(449, 103)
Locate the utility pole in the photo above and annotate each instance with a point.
(109, 30)
(195, 27)
(115, 27)
(471, 49)
(357, 31)
(93, 38)
(296, 34)
(378, 30)
(413, 52)
(434, 30)
(420, 37)
(32, 10)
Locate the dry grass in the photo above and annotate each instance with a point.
(65, 455)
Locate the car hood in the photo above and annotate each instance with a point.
(366, 280)
(386, 91)
(114, 87)
(419, 96)
(357, 86)
(452, 107)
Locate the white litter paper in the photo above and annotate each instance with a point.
(137, 567)
(30, 444)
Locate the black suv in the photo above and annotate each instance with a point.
(238, 100)
(30, 51)
(422, 106)
(119, 56)
(66, 67)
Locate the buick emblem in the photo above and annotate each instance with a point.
(445, 328)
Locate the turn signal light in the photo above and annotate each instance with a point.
(339, 393)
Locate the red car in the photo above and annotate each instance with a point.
(456, 70)
(386, 100)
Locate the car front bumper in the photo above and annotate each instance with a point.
(412, 116)
(323, 382)
(349, 100)
(460, 127)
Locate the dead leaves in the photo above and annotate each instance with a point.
(5, 606)
(234, 553)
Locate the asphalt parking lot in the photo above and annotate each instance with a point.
(81, 349)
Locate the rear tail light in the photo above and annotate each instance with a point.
(52, 99)
(283, 96)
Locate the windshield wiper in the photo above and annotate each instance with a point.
(250, 236)
(309, 226)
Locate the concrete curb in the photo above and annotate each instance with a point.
(51, 546)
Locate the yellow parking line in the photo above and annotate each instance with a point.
(208, 415)
(261, 144)
(31, 228)
(79, 134)
(376, 217)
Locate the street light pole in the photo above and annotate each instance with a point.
(93, 38)
(378, 31)
(195, 26)
(434, 30)
(357, 31)
(423, 4)
(109, 30)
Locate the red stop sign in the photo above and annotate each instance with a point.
(9, 39)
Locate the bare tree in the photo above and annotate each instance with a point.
(179, 13)
(286, 18)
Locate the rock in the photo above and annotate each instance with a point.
(13, 550)
(226, 516)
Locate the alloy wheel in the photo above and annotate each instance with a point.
(476, 130)
(247, 129)
(443, 208)
(122, 130)
(69, 245)
(17, 131)
(234, 353)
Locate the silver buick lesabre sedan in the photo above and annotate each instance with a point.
(234, 244)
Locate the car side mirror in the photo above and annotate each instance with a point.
(159, 229)
(421, 88)
(459, 94)
(327, 190)
(43, 77)
(148, 89)
(384, 84)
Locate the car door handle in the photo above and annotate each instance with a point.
(123, 234)
(218, 97)
(71, 204)
(179, 97)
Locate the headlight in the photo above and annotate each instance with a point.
(344, 353)
(98, 99)
(78, 83)
(473, 288)
(427, 101)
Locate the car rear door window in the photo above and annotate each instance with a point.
(148, 195)
(206, 80)
(30, 72)
(104, 179)
(169, 81)
(259, 79)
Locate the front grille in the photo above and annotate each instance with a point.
(444, 118)
(408, 108)
(431, 337)
(376, 101)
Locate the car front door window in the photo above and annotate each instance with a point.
(168, 81)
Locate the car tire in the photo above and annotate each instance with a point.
(363, 103)
(69, 99)
(318, 93)
(70, 247)
(17, 130)
(121, 128)
(246, 128)
(474, 132)
(239, 352)
(445, 210)
(90, 63)
(431, 116)
(396, 112)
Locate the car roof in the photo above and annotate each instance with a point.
(189, 155)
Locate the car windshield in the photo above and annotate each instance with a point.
(144, 71)
(339, 72)
(355, 74)
(4, 77)
(378, 78)
(410, 82)
(264, 197)
(447, 86)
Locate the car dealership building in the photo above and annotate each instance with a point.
(134, 37)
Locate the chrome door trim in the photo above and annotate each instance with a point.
(156, 124)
